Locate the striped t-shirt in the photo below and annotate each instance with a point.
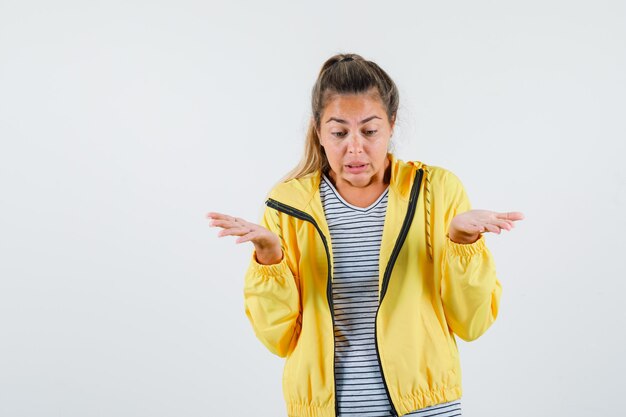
(356, 234)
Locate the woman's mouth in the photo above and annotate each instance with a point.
(356, 168)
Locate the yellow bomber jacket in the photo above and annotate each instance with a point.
(430, 288)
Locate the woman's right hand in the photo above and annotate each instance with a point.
(266, 243)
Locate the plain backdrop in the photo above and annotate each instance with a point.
(122, 123)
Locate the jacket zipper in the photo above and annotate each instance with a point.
(394, 255)
(304, 216)
(406, 224)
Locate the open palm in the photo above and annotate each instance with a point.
(266, 242)
(467, 227)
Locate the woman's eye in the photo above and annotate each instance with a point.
(339, 134)
(370, 132)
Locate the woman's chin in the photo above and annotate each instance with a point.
(358, 180)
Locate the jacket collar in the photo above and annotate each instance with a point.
(299, 192)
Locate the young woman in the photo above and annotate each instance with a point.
(365, 267)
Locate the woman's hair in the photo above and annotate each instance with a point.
(342, 74)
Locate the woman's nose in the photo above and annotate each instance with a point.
(355, 143)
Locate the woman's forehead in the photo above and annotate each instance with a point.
(355, 105)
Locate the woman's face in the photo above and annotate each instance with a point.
(354, 132)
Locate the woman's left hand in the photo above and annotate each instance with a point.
(466, 227)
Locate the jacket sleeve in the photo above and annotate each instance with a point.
(470, 290)
(271, 297)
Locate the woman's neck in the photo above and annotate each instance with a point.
(366, 195)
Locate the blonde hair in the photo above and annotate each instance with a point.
(341, 74)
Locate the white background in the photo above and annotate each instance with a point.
(122, 123)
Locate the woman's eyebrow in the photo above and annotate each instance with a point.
(343, 121)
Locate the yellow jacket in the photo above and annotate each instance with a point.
(429, 288)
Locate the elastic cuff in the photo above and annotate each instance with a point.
(273, 270)
(466, 249)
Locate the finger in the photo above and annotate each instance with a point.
(234, 231)
(219, 223)
(226, 223)
(510, 215)
(507, 225)
(220, 216)
(237, 220)
(246, 238)
(215, 215)
(503, 224)
(232, 222)
(491, 228)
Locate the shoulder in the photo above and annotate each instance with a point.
(294, 185)
(438, 173)
(434, 172)
(439, 179)
(296, 192)
(436, 179)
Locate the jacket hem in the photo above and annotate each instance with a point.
(413, 402)
(407, 404)
(304, 410)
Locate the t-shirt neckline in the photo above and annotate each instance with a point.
(371, 206)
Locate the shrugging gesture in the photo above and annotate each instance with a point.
(470, 289)
(467, 227)
(266, 243)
